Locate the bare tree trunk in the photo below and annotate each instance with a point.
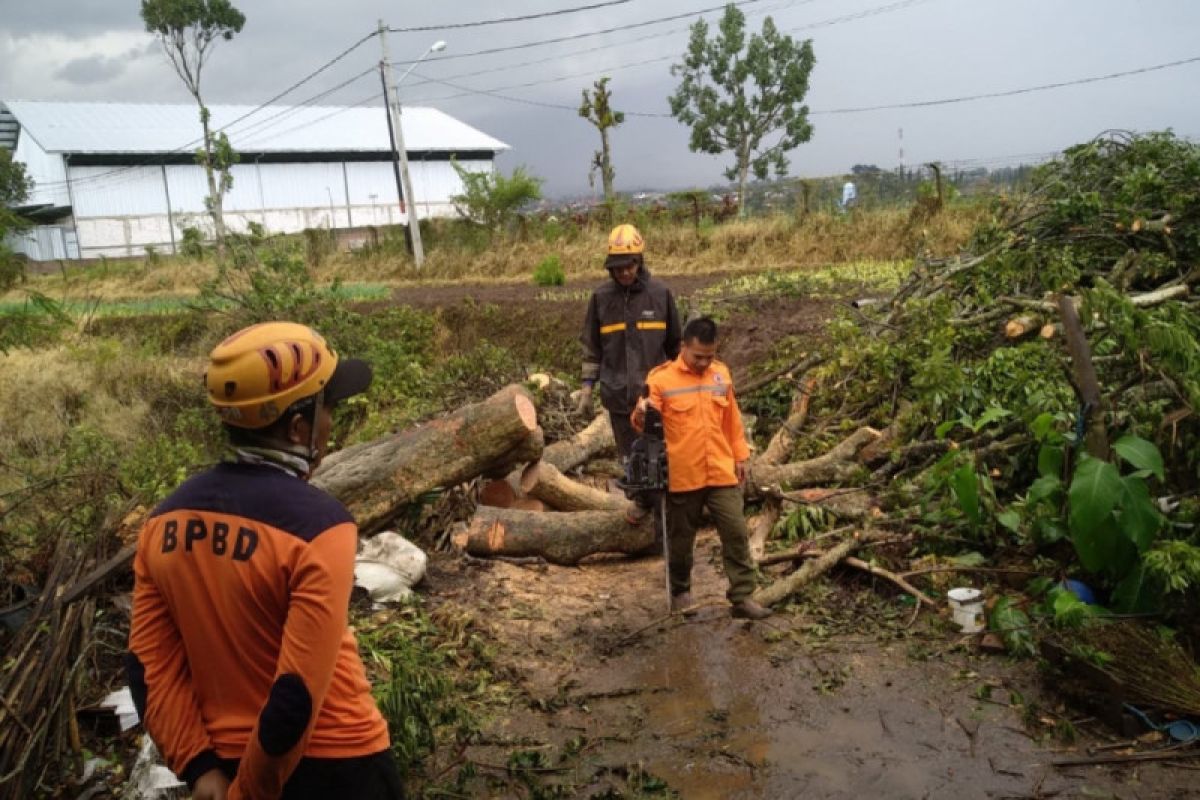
(1086, 382)
(215, 199)
(606, 169)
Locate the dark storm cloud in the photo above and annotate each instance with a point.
(90, 70)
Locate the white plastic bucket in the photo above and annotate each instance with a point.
(966, 608)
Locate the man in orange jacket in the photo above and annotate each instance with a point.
(241, 663)
(706, 464)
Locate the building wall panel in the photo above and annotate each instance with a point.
(47, 170)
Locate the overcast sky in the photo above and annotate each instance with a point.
(869, 53)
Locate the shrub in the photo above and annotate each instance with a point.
(550, 272)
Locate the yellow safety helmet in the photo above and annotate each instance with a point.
(256, 374)
(625, 241)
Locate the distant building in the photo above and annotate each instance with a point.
(112, 179)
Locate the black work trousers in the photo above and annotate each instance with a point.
(373, 777)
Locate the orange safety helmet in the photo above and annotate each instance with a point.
(625, 240)
(256, 374)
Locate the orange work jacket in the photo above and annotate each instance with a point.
(701, 423)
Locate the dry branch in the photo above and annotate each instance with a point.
(777, 591)
(833, 467)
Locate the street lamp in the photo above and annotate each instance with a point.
(393, 92)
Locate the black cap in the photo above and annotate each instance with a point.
(352, 376)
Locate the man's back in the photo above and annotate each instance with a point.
(253, 568)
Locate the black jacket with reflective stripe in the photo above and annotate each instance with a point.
(627, 332)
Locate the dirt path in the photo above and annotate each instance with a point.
(833, 699)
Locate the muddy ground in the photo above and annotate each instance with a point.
(833, 697)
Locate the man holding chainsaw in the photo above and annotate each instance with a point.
(706, 456)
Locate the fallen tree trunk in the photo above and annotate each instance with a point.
(592, 440)
(375, 479)
(558, 538)
(834, 467)
(546, 483)
(770, 595)
(528, 450)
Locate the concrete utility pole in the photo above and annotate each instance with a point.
(392, 92)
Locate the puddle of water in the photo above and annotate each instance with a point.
(707, 707)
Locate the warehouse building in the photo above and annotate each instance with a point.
(113, 179)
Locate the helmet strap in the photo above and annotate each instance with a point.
(318, 402)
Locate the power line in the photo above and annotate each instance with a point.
(464, 90)
(1011, 92)
(597, 48)
(163, 158)
(502, 20)
(587, 35)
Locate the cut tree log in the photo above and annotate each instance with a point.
(558, 538)
(1022, 326)
(497, 493)
(596, 438)
(528, 450)
(375, 479)
(546, 483)
(779, 590)
(834, 467)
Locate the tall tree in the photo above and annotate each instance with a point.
(188, 31)
(735, 93)
(15, 186)
(597, 109)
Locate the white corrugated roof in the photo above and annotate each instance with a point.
(61, 127)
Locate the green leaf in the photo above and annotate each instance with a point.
(1044, 488)
(1050, 461)
(1104, 549)
(965, 484)
(941, 430)
(1093, 495)
(1140, 454)
(1137, 517)
(1049, 531)
(1013, 626)
(971, 559)
(1042, 425)
(1136, 593)
(1010, 519)
(1068, 609)
(989, 416)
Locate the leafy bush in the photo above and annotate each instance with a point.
(191, 242)
(549, 272)
(491, 199)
